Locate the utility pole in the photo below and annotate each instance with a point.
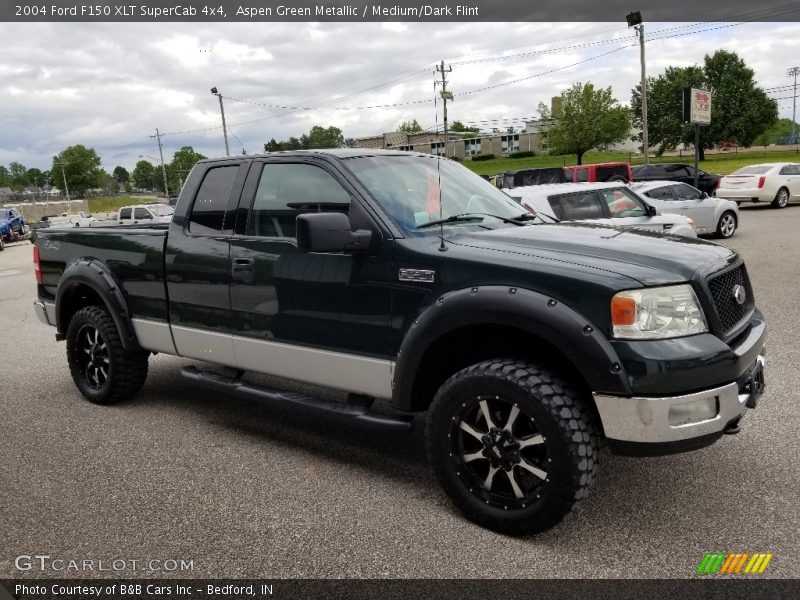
(66, 189)
(794, 71)
(163, 168)
(635, 20)
(224, 127)
(445, 96)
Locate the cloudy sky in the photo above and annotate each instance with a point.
(109, 86)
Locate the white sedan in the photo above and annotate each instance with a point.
(715, 216)
(611, 203)
(778, 183)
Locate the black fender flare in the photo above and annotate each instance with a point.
(550, 319)
(95, 275)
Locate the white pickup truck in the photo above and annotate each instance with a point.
(145, 213)
(81, 219)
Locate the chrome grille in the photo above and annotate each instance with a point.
(722, 288)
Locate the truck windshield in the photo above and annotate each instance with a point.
(409, 188)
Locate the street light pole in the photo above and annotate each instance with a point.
(794, 71)
(224, 127)
(635, 20)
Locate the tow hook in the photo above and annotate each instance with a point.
(733, 427)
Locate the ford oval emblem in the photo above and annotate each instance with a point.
(739, 294)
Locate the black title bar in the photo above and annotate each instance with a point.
(155, 11)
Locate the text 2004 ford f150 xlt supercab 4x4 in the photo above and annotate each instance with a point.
(409, 279)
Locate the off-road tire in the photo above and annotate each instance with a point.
(781, 198)
(127, 370)
(570, 433)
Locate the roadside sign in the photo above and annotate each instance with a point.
(696, 106)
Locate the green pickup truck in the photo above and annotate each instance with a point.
(406, 278)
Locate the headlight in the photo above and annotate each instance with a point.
(657, 313)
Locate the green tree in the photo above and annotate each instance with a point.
(411, 126)
(143, 175)
(272, 146)
(18, 175)
(459, 127)
(81, 167)
(319, 137)
(182, 162)
(35, 177)
(5, 176)
(774, 133)
(589, 118)
(740, 110)
(121, 174)
(110, 184)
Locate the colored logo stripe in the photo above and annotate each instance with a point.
(724, 563)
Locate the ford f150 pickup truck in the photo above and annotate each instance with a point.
(406, 278)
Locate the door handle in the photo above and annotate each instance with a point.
(243, 269)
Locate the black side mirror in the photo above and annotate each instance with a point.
(705, 195)
(651, 211)
(329, 232)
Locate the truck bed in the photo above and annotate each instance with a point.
(135, 256)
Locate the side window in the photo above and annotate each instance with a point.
(141, 213)
(208, 210)
(606, 173)
(581, 175)
(790, 170)
(124, 213)
(286, 190)
(622, 203)
(662, 193)
(571, 207)
(687, 192)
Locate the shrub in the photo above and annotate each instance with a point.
(522, 154)
(483, 157)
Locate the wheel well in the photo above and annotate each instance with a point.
(465, 346)
(78, 296)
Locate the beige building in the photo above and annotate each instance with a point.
(459, 145)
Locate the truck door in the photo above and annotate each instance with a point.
(197, 263)
(315, 317)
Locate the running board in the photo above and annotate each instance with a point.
(355, 410)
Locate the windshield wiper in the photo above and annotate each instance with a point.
(469, 217)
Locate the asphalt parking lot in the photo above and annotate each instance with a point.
(245, 490)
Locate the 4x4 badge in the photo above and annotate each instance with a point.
(739, 294)
(416, 275)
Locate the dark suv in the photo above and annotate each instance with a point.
(707, 182)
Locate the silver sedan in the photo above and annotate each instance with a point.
(712, 216)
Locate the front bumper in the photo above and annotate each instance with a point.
(664, 425)
(46, 312)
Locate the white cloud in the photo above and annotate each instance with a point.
(109, 86)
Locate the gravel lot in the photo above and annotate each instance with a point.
(247, 490)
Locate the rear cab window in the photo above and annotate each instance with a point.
(754, 170)
(208, 210)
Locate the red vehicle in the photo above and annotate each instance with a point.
(612, 171)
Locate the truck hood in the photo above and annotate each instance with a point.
(649, 257)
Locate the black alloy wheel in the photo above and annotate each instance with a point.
(103, 370)
(513, 445)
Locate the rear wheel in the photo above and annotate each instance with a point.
(781, 198)
(726, 226)
(512, 445)
(101, 368)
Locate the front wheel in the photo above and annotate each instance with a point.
(726, 226)
(101, 368)
(781, 198)
(512, 445)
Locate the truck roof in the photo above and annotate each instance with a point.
(336, 152)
